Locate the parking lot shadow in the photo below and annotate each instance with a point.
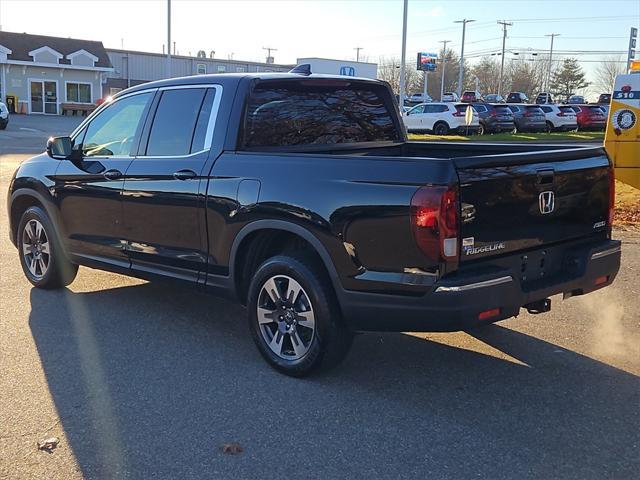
(150, 382)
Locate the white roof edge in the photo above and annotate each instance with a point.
(4, 49)
(82, 51)
(45, 48)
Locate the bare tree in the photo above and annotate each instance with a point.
(389, 71)
(607, 71)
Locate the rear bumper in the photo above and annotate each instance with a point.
(456, 303)
(470, 129)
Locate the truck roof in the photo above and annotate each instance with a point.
(229, 79)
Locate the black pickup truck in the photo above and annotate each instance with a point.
(300, 196)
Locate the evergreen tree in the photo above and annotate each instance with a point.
(568, 79)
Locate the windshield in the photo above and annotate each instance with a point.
(285, 113)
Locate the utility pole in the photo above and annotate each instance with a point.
(552, 35)
(443, 64)
(504, 41)
(403, 55)
(461, 71)
(168, 38)
(426, 79)
(357, 49)
(269, 50)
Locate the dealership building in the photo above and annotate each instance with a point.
(39, 73)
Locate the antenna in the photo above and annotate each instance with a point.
(269, 50)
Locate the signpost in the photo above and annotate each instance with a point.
(426, 63)
(633, 38)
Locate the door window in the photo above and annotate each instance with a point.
(416, 110)
(174, 124)
(113, 131)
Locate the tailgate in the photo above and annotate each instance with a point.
(517, 201)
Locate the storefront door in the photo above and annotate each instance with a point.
(43, 97)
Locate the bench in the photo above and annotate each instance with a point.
(77, 108)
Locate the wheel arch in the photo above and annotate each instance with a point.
(21, 200)
(249, 232)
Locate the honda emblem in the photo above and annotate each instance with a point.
(546, 202)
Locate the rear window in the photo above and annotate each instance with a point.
(480, 108)
(503, 110)
(317, 112)
(567, 110)
(535, 110)
(597, 110)
(546, 109)
(462, 107)
(514, 108)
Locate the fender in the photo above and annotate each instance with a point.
(47, 204)
(288, 227)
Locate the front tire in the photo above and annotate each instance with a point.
(441, 128)
(43, 261)
(294, 317)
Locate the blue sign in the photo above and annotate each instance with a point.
(427, 61)
(348, 71)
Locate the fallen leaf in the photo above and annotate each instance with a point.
(232, 448)
(49, 444)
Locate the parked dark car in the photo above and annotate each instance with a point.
(494, 118)
(494, 98)
(300, 197)
(528, 118)
(517, 97)
(604, 98)
(471, 96)
(590, 117)
(576, 100)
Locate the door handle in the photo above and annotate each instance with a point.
(112, 174)
(184, 174)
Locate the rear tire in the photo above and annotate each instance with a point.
(294, 317)
(441, 128)
(482, 130)
(549, 128)
(42, 258)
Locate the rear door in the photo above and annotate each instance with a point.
(163, 203)
(518, 201)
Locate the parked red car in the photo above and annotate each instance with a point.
(590, 117)
(471, 96)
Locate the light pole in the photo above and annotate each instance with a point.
(443, 65)
(403, 55)
(168, 38)
(552, 35)
(461, 71)
(357, 49)
(504, 40)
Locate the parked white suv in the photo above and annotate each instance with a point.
(450, 97)
(441, 118)
(4, 116)
(420, 97)
(559, 118)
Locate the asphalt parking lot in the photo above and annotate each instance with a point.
(142, 380)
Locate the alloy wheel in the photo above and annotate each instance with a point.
(35, 248)
(285, 317)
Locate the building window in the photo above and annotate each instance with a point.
(201, 68)
(114, 90)
(222, 68)
(78, 92)
(241, 69)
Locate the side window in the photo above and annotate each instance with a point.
(174, 124)
(112, 132)
(429, 109)
(417, 110)
(440, 108)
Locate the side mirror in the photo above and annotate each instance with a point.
(60, 148)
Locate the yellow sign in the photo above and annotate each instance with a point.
(622, 139)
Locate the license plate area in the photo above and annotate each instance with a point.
(539, 265)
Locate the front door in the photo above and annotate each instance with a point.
(163, 207)
(44, 97)
(89, 190)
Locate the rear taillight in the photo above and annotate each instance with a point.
(493, 113)
(612, 194)
(434, 219)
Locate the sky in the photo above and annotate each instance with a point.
(240, 29)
